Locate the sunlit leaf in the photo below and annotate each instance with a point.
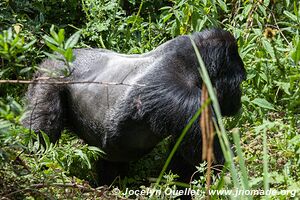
(72, 41)
(263, 103)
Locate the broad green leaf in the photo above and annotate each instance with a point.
(223, 5)
(167, 17)
(51, 46)
(69, 55)
(266, 3)
(25, 70)
(53, 56)
(50, 40)
(284, 86)
(263, 103)
(27, 46)
(72, 41)
(61, 36)
(54, 34)
(267, 45)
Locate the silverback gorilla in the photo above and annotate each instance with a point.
(156, 94)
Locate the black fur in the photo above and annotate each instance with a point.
(128, 121)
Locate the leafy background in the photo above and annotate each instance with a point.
(268, 37)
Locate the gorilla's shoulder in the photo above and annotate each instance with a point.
(91, 51)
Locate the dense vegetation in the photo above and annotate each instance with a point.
(269, 44)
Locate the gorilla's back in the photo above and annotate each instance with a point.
(108, 79)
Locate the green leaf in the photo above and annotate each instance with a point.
(25, 70)
(84, 157)
(1, 39)
(262, 9)
(284, 86)
(14, 42)
(69, 55)
(295, 9)
(3, 71)
(16, 108)
(246, 10)
(50, 40)
(61, 36)
(27, 46)
(167, 17)
(96, 149)
(46, 140)
(51, 46)
(55, 48)
(72, 41)
(263, 103)
(223, 5)
(9, 34)
(165, 8)
(296, 54)
(53, 56)
(266, 3)
(54, 34)
(5, 47)
(267, 45)
(244, 173)
(290, 15)
(4, 126)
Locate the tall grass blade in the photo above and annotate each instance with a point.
(265, 162)
(228, 154)
(245, 177)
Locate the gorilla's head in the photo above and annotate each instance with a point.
(219, 51)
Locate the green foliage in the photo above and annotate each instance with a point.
(26, 163)
(108, 26)
(35, 15)
(16, 58)
(12, 50)
(63, 48)
(187, 16)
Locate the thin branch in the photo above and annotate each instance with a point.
(277, 26)
(99, 191)
(72, 185)
(52, 81)
(25, 190)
